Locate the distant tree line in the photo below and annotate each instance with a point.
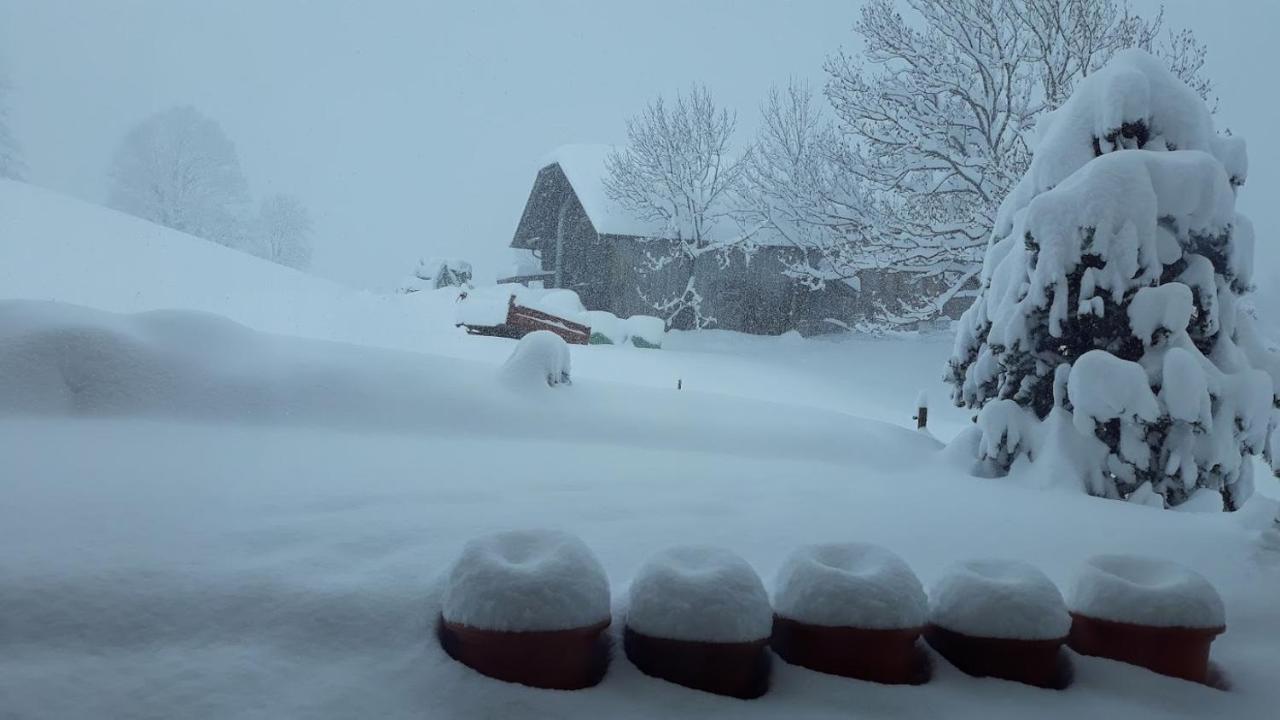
(903, 166)
(11, 163)
(178, 169)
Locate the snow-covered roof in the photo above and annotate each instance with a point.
(586, 167)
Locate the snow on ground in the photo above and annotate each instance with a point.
(254, 526)
(58, 248)
(251, 564)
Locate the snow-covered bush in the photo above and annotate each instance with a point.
(540, 357)
(1110, 295)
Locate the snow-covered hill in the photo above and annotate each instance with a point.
(59, 248)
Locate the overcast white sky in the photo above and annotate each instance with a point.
(415, 127)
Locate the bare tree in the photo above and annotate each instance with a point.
(937, 114)
(282, 231)
(178, 169)
(678, 174)
(796, 189)
(11, 163)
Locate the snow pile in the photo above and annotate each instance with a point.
(1120, 257)
(488, 306)
(541, 357)
(55, 359)
(1145, 591)
(699, 594)
(999, 599)
(437, 274)
(849, 585)
(645, 330)
(526, 580)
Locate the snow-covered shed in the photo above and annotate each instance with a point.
(585, 242)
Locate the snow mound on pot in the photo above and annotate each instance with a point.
(999, 599)
(1145, 591)
(699, 594)
(526, 580)
(849, 585)
(541, 357)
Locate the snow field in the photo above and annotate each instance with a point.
(139, 581)
(849, 585)
(530, 580)
(1145, 591)
(252, 529)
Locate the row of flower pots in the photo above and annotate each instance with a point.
(533, 607)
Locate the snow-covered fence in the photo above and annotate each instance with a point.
(533, 607)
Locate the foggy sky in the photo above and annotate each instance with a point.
(414, 128)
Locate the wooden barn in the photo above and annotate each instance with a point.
(582, 241)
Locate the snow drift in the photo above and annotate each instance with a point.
(58, 359)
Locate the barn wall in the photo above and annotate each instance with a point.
(612, 273)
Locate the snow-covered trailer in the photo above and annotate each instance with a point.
(520, 321)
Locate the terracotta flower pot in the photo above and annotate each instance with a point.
(883, 656)
(1035, 662)
(1175, 651)
(556, 659)
(1147, 612)
(735, 669)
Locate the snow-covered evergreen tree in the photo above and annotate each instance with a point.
(1108, 341)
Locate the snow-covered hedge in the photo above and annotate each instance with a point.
(1110, 302)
